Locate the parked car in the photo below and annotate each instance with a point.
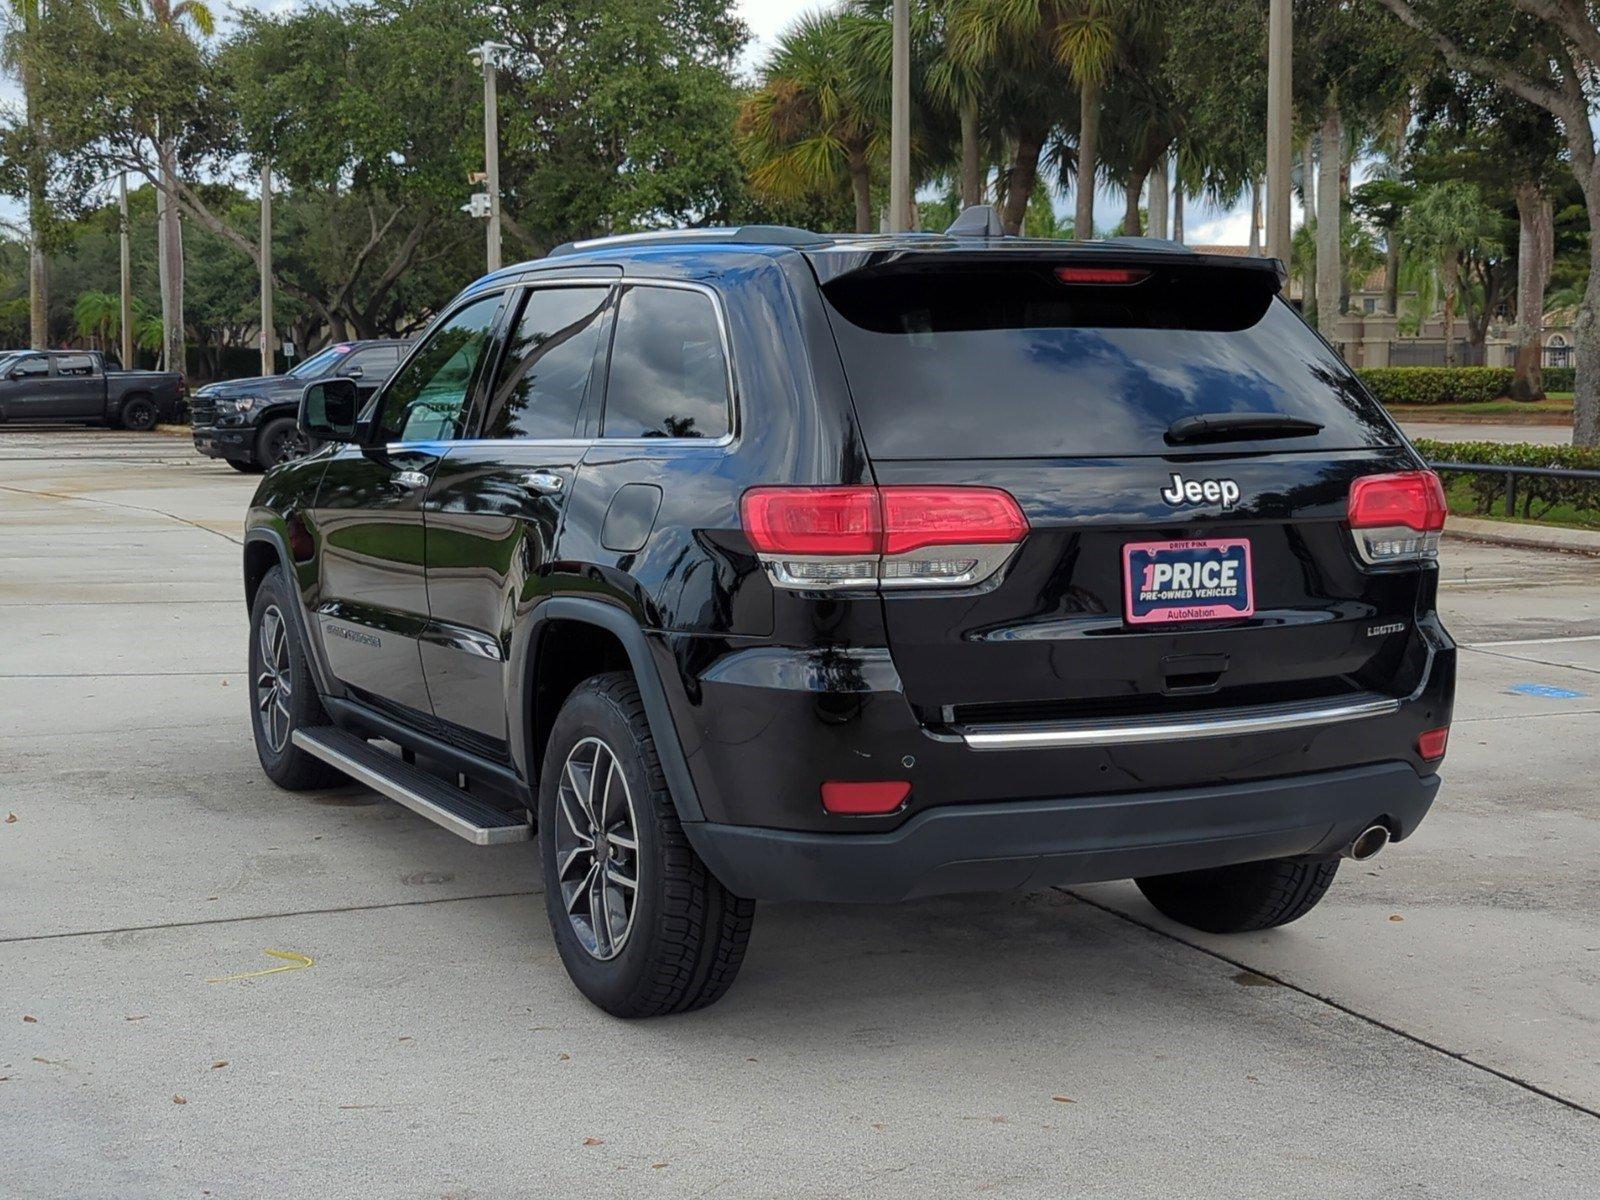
(85, 385)
(759, 564)
(250, 423)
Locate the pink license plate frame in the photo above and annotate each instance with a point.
(1188, 590)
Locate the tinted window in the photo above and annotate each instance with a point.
(1013, 363)
(541, 387)
(375, 363)
(319, 362)
(74, 365)
(668, 375)
(426, 401)
(31, 366)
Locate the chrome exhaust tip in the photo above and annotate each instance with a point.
(1368, 843)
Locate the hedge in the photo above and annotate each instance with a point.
(1536, 494)
(1452, 385)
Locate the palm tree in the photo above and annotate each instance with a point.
(98, 316)
(1026, 93)
(1446, 221)
(1087, 38)
(817, 122)
(176, 19)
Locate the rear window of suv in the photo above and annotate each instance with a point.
(1011, 362)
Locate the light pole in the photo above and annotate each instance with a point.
(126, 271)
(268, 335)
(491, 56)
(1280, 122)
(900, 121)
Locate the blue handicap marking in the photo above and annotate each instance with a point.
(1545, 691)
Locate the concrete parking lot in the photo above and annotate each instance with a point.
(1433, 1029)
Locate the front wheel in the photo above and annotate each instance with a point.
(642, 926)
(283, 694)
(280, 441)
(138, 414)
(1244, 897)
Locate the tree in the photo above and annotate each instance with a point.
(617, 115)
(1354, 66)
(1476, 132)
(816, 122)
(172, 19)
(1028, 94)
(1546, 52)
(1382, 203)
(1447, 222)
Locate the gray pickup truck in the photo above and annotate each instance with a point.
(82, 385)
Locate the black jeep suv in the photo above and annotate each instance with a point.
(756, 564)
(250, 423)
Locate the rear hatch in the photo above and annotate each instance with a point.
(1065, 380)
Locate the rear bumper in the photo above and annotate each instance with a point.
(1081, 839)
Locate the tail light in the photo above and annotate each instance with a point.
(814, 538)
(1397, 518)
(1431, 745)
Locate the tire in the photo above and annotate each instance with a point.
(277, 656)
(279, 442)
(244, 468)
(138, 414)
(681, 944)
(1242, 898)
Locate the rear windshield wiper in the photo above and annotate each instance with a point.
(1234, 427)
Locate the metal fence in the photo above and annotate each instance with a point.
(1429, 352)
(1511, 474)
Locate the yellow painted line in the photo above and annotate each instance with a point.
(295, 962)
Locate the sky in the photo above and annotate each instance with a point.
(1205, 224)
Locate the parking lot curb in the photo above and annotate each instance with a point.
(1524, 534)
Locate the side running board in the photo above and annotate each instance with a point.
(442, 803)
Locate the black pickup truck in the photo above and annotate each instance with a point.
(85, 385)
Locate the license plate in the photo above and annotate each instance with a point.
(1206, 580)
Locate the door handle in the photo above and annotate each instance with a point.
(543, 483)
(411, 479)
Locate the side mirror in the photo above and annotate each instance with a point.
(328, 410)
(355, 373)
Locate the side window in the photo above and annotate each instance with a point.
(34, 366)
(668, 377)
(375, 364)
(427, 400)
(541, 387)
(74, 366)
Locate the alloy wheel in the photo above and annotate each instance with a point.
(597, 848)
(273, 686)
(286, 447)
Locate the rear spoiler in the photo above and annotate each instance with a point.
(836, 260)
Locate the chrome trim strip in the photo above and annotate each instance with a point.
(1265, 719)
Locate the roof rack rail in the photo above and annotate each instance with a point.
(750, 235)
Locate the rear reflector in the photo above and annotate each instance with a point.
(896, 536)
(1397, 518)
(1431, 745)
(865, 799)
(1101, 275)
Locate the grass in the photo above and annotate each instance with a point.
(1554, 405)
(1458, 495)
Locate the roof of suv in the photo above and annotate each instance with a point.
(836, 254)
